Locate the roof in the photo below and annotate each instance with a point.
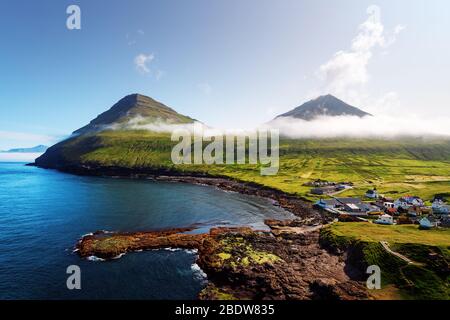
(352, 206)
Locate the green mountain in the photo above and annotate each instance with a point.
(118, 121)
(327, 105)
(134, 106)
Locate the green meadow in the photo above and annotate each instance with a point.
(395, 167)
(426, 278)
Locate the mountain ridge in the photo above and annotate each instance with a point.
(325, 105)
(132, 106)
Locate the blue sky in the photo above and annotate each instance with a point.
(227, 63)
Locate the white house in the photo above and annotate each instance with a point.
(439, 207)
(401, 203)
(385, 219)
(388, 205)
(408, 201)
(416, 201)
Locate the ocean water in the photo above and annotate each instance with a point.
(43, 213)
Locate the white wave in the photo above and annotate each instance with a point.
(198, 272)
(172, 249)
(94, 258)
(87, 234)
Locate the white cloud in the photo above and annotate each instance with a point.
(352, 126)
(346, 73)
(142, 61)
(388, 103)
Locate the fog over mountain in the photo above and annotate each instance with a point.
(354, 126)
(323, 117)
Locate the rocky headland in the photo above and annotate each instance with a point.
(286, 262)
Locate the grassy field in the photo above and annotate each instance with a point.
(396, 234)
(427, 278)
(394, 167)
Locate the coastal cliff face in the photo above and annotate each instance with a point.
(241, 263)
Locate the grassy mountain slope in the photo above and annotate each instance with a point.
(135, 107)
(395, 167)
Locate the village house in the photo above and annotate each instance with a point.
(350, 206)
(385, 219)
(372, 194)
(428, 222)
(319, 183)
(323, 187)
(414, 211)
(407, 201)
(439, 207)
(388, 205)
(425, 223)
(323, 190)
(391, 211)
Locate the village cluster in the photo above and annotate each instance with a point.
(379, 208)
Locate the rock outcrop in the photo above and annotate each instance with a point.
(242, 263)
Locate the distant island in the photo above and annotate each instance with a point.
(37, 149)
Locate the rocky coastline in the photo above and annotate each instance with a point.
(285, 263)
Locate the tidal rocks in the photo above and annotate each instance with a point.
(242, 263)
(110, 245)
(260, 265)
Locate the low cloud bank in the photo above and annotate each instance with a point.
(159, 125)
(352, 126)
(382, 126)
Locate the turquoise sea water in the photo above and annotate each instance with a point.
(43, 213)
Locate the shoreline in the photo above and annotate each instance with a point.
(291, 203)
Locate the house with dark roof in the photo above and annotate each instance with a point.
(372, 194)
(350, 206)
